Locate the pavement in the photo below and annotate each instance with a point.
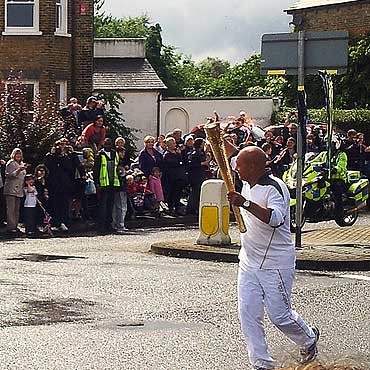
(106, 303)
(80, 228)
(331, 249)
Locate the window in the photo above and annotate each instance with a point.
(61, 92)
(28, 90)
(61, 20)
(22, 16)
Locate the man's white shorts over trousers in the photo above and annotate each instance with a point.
(270, 289)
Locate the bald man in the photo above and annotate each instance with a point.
(267, 262)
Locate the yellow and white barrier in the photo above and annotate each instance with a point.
(214, 214)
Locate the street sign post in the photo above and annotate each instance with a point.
(302, 53)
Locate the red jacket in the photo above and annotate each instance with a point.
(89, 131)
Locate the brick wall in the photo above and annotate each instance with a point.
(48, 57)
(83, 48)
(354, 18)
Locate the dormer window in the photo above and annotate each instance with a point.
(22, 17)
(61, 20)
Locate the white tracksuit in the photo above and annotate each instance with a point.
(266, 273)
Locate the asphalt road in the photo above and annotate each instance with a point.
(116, 306)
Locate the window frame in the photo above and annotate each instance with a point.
(35, 30)
(63, 92)
(36, 88)
(63, 29)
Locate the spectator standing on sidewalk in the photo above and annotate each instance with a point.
(160, 145)
(94, 134)
(197, 160)
(60, 183)
(88, 113)
(41, 173)
(120, 196)
(2, 198)
(174, 175)
(107, 183)
(15, 171)
(30, 206)
(149, 157)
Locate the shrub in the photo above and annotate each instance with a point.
(358, 119)
(31, 127)
(115, 122)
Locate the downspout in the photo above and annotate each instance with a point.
(159, 113)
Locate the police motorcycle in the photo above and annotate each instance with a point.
(318, 200)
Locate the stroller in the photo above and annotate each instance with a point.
(144, 204)
(47, 221)
(142, 201)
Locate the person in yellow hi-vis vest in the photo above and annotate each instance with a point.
(107, 183)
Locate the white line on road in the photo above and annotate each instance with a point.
(355, 277)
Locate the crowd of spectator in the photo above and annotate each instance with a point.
(89, 176)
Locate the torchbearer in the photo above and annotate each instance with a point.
(267, 261)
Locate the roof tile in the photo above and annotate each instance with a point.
(125, 74)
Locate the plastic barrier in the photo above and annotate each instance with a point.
(214, 214)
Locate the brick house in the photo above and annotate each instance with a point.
(51, 42)
(332, 15)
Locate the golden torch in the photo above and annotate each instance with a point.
(216, 140)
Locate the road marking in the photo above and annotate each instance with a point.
(355, 277)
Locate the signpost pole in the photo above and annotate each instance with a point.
(300, 162)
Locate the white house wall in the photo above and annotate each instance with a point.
(185, 114)
(140, 112)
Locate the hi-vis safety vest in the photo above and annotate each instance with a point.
(104, 176)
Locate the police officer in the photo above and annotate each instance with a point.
(338, 177)
(338, 173)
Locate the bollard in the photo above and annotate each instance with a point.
(214, 214)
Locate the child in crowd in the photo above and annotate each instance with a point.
(131, 185)
(41, 173)
(155, 184)
(120, 142)
(30, 203)
(120, 196)
(143, 186)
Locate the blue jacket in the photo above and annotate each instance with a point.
(147, 162)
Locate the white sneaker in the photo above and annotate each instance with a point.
(62, 227)
(122, 231)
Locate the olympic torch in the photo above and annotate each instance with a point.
(217, 143)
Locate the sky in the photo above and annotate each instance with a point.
(227, 29)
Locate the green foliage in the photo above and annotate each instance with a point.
(354, 87)
(34, 132)
(181, 75)
(352, 90)
(358, 119)
(215, 77)
(213, 67)
(115, 122)
(240, 80)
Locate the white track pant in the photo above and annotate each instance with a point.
(270, 289)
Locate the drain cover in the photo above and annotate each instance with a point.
(131, 324)
(35, 257)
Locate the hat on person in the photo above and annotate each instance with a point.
(187, 138)
(91, 99)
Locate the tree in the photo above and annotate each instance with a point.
(353, 90)
(213, 67)
(115, 121)
(32, 127)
